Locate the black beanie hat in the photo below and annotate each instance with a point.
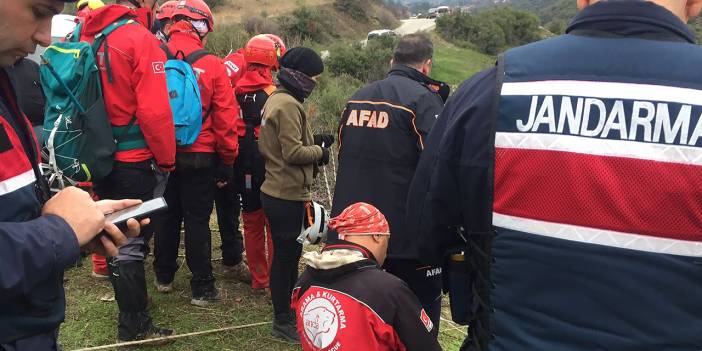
(304, 60)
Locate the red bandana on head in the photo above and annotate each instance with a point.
(360, 219)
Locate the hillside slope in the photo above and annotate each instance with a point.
(235, 11)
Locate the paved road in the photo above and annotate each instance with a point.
(414, 25)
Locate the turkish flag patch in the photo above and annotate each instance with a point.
(424, 317)
(159, 67)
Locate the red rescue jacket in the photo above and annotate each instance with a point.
(217, 134)
(139, 85)
(344, 301)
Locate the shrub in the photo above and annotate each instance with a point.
(329, 99)
(259, 24)
(216, 3)
(356, 9)
(226, 38)
(367, 64)
(305, 23)
(492, 30)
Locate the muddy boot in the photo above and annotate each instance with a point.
(134, 321)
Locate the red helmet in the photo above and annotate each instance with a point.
(280, 45)
(194, 9)
(262, 50)
(165, 12)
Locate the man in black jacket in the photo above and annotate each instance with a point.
(381, 135)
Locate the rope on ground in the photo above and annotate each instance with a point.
(172, 337)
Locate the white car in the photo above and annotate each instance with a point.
(61, 26)
(381, 33)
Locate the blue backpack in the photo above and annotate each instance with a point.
(184, 94)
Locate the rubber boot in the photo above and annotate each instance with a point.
(255, 246)
(134, 322)
(285, 328)
(100, 270)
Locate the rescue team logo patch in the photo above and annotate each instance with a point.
(158, 67)
(322, 319)
(424, 317)
(321, 322)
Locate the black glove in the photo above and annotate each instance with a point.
(324, 140)
(325, 157)
(224, 174)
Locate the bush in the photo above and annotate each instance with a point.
(492, 30)
(259, 24)
(226, 38)
(216, 3)
(356, 9)
(305, 23)
(365, 64)
(329, 99)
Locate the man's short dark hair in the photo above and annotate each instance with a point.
(413, 49)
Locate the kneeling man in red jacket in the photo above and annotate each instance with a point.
(344, 301)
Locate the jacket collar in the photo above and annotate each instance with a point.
(347, 245)
(188, 41)
(631, 19)
(438, 87)
(338, 259)
(100, 18)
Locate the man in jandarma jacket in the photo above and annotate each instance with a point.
(573, 169)
(39, 237)
(382, 132)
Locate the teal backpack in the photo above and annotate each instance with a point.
(79, 142)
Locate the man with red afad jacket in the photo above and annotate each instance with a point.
(190, 189)
(344, 301)
(136, 99)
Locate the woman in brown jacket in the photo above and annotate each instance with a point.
(292, 156)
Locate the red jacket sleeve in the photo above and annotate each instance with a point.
(153, 106)
(225, 113)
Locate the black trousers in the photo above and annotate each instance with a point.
(285, 218)
(127, 180)
(243, 192)
(228, 207)
(190, 196)
(131, 180)
(425, 282)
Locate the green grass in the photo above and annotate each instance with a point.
(91, 322)
(453, 64)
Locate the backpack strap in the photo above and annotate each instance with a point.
(101, 40)
(167, 51)
(128, 139)
(195, 56)
(75, 36)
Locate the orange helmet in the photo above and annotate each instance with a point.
(261, 50)
(165, 12)
(194, 9)
(280, 45)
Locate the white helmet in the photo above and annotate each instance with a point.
(314, 224)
